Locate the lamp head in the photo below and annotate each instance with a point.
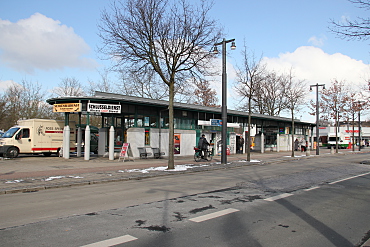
(215, 50)
(233, 46)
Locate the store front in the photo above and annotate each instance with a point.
(143, 123)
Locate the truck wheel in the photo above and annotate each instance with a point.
(47, 154)
(12, 152)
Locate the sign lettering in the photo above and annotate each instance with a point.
(104, 108)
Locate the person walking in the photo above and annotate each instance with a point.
(296, 144)
(241, 144)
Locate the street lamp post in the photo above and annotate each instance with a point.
(317, 115)
(359, 124)
(224, 95)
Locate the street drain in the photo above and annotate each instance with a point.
(93, 213)
(179, 216)
(140, 222)
(157, 228)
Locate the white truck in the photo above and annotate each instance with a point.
(343, 140)
(34, 136)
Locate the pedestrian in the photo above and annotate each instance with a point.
(304, 146)
(203, 146)
(296, 144)
(241, 144)
(238, 146)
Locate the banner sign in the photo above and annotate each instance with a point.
(216, 122)
(104, 108)
(67, 107)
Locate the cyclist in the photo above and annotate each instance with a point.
(203, 146)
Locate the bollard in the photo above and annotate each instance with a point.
(79, 141)
(66, 150)
(87, 143)
(308, 153)
(332, 150)
(111, 143)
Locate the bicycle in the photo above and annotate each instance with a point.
(198, 155)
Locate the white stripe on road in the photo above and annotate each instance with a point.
(312, 188)
(349, 178)
(274, 198)
(112, 241)
(214, 215)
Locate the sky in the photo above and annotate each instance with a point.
(44, 41)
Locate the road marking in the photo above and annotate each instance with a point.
(112, 241)
(274, 198)
(349, 178)
(213, 215)
(312, 188)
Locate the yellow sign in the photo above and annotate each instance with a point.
(67, 107)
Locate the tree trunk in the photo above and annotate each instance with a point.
(336, 132)
(171, 156)
(293, 134)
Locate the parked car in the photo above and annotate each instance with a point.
(1, 134)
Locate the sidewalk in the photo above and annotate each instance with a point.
(33, 173)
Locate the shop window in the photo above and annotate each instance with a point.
(118, 122)
(139, 121)
(153, 122)
(129, 121)
(118, 137)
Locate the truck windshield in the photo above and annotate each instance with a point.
(10, 133)
(333, 139)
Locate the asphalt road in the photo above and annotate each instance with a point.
(297, 203)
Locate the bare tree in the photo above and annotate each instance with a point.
(172, 38)
(248, 77)
(204, 94)
(142, 83)
(351, 108)
(3, 111)
(25, 101)
(295, 94)
(105, 83)
(270, 94)
(358, 29)
(333, 103)
(69, 86)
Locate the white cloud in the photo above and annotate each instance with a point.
(5, 84)
(316, 66)
(317, 41)
(41, 43)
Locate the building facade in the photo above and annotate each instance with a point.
(143, 123)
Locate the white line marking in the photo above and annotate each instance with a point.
(112, 241)
(349, 178)
(274, 198)
(214, 215)
(312, 188)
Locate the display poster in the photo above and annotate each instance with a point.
(177, 142)
(126, 152)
